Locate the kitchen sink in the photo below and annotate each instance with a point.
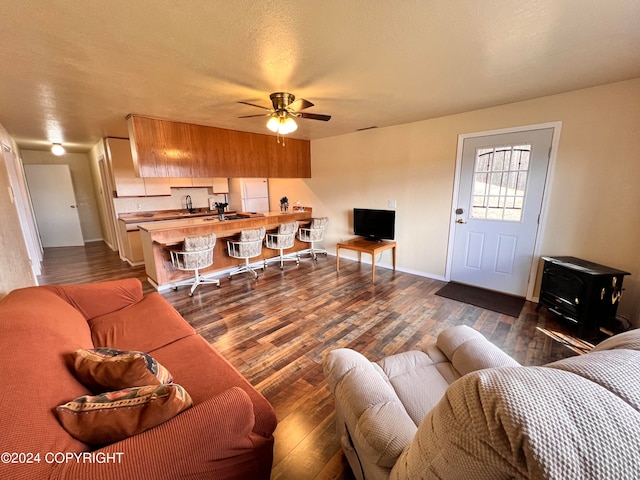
(236, 216)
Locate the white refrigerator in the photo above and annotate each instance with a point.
(249, 194)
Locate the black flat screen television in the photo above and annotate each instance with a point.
(374, 225)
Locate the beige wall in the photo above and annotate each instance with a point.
(593, 201)
(81, 177)
(594, 197)
(15, 269)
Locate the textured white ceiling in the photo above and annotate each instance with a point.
(70, 71)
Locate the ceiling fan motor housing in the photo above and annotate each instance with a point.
(281, 100)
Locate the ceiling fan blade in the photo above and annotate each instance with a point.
(314, 116)
(300, 104)
(258, 115)
(254, 105)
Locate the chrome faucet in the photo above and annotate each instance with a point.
(188, 205)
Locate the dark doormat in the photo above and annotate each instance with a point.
(495, 301)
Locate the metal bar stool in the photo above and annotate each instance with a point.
(313, 234)
(285, 238)
(248, 246)
(196, 254)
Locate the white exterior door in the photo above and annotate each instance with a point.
(54, 203)
(501, 187)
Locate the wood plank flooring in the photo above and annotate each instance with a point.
(276, 329)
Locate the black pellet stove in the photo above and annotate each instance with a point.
(584, 293)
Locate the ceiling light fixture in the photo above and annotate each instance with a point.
(57, 149)
(282, 124)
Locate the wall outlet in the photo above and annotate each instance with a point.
(391, 204)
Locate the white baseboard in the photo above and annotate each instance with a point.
(389, 266)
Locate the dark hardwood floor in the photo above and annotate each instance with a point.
(276, 329)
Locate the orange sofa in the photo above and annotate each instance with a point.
(226, 434)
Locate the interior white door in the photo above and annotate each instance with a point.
(54, 203)
(501, 187)
(25, 212)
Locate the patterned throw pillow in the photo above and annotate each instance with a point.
(114, 416)
(106, 369)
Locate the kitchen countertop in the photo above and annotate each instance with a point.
(162, 215)
(207, 220)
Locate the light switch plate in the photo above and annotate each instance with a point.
(391, 204)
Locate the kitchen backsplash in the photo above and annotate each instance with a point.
(199, 199)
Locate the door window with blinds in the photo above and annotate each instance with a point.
(500, 182)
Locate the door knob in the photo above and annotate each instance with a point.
(461, 220)
(72, 206)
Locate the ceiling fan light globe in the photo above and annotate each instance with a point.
(273, 124)
(288, 125)
(282, 125)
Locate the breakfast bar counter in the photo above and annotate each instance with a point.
(158, 237)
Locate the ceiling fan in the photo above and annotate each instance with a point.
(285, 108)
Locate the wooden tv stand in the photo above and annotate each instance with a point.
(362, 245)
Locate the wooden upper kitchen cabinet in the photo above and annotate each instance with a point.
(126, 182)
(208, 146)
(293, 160)
(217, 185)
(247, 155)
(163, 148)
